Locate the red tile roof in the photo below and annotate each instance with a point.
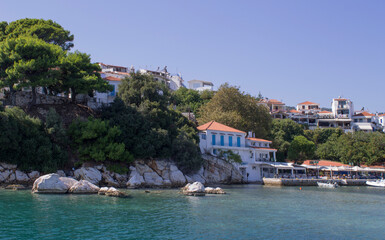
(382, 115)
(325, 163)
(276, 102)
(308, 103)
(325, 112)
(265, 148)
(363, 114)
(259, 140)
(112, 78)
(294, 111)
(215, 126)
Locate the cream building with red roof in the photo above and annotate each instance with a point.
(256, 154)
(364, 121)
(308, 107)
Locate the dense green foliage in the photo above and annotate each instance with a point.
(283, 133)
(28, 62)
(46, 30)
(189, 100)
(229, 156)
(301, 149)
(96, 140)
(237, 109)
(150, 129)
(32, 54)
(357, 148)
(79, 75)
(25, 142)
(297, 144)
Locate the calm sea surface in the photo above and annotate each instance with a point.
(246, 212)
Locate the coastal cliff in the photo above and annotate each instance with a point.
(161, 173)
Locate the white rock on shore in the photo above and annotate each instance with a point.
(136, 180)
(84, 186)
(194, 189)
(88, 173)
(52, 183)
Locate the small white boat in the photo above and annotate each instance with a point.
(378, 183)
(327, 185)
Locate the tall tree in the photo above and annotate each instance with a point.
(139, 88)
(300, 149)
(46, 30)
(282, 133)
(237, 109)
(79, 75)
(28, 62)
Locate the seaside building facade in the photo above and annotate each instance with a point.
(258, 158)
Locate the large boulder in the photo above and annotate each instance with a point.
(152, 179)
(4, 175)
(194, 189)
(53, 183)
(109, 180)
(84, 186)
(61, 173)
(197, 177)
(136, 180)
(11, 178)
(176, 176)
(219, 171)
(103, 190)
(21, 177)
(88, 173)
(33, 175)
(218, 190)
(121, 178)
(113, 192)
(8, 166)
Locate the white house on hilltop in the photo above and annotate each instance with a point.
(258, 158)
(200, 85)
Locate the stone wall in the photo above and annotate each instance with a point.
(22, 99)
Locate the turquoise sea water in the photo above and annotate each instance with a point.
(246, 212)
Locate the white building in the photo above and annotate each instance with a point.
(340, 117)
(308, 107)
(364, 121)
(381, 121)
(200, 85)
(342, 108)
(258, 158)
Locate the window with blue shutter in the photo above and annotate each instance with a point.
(213, 140)
(238, 141)
(222, 140)
(230, 141)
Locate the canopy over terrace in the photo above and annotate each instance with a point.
(282, 169)
(331, 168)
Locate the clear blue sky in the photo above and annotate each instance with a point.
(292, 51)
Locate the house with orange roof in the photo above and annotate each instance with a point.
(308, 107)
(364, 121)
(277, 108)
(256, 154)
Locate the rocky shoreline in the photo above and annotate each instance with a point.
(142, 174)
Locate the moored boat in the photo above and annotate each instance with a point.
(327, 185)
(378, 183)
